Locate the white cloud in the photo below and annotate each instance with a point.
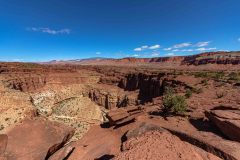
(155, 46)
(138, 49)
(49, 31)
(167, 49)
(187, 50)
(205, 49)
(136, 55)
(181, 45)
(176, 50)
(183, 50)
(222, 50)
(98, 53)
(202, 44)
(170, 54)
(239, 39)
(144, 47)
(155, 54)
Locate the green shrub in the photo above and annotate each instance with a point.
(174, 103)
(233, 76)
(1, 127)
(200, 74)
(188, 93)
(204, 82)
(218, 75)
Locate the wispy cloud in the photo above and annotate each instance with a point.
(176, 50)
(136, 55)
(138, 49)
(223, 50)
(239, 39)
(170, 54)
(167, 49)
(205, 49)
(181, 45)
(155, 54)
(98, 53)
(202, 44)
(13, 60)
(183, 50)
(155, 46)
(187, 50)
(49, 31)
(145, 47)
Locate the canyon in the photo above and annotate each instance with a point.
(87, 110)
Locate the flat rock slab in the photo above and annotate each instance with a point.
(63, 153)
(123, 115)
(226, 114)
(208, 141)
(36, 139)
(142, 129)
(227, 121)
(96, 144)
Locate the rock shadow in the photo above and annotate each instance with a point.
(105, 157)
(206, 126)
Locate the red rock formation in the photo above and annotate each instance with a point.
(228, 121)
(149, 86)
(159, 145)
(123, 115)
(63, 153)
(199, 59)
(36, 139)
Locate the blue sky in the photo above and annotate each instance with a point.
(42, 30)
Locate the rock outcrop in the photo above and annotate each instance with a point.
(111, 97)
(36, 139)
(63, 153)
(150, 85)
(157, 145)
(123, 115)
(97, 144)
(228, 121)
(141, 129)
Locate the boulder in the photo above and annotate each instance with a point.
(96, 144)
(121, 116)
(228, 122)
(36, 139)
(63, 153)
(141, 129)
(157, 145)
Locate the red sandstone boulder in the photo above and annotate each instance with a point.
(123, 115)
(96, 144)
(141, 129)
(63, 153)
(36, 139)
(228, 121)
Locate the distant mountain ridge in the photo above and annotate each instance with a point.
(198, 59)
